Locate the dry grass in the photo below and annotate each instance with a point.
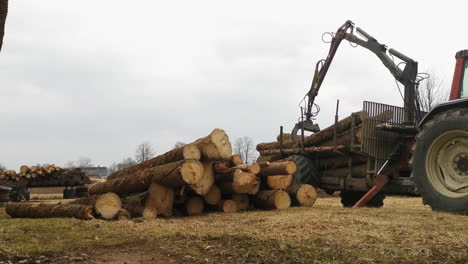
(404, 231)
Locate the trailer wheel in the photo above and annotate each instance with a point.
(350, 198)
(440, 161)
(306, 172)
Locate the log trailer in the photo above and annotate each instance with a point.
(384, 149)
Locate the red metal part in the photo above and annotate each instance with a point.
(380, 181)
(457, 78)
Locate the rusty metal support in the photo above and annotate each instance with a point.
(380, 181)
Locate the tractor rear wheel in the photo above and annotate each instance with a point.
(440, 161)
(306, 172)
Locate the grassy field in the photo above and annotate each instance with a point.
(403, 231)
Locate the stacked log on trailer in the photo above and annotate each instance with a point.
(199, 177)
(348, 133)
(45, 176)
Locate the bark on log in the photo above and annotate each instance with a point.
(227, 206)
(358, 171)
(302, 194)
(279, 182)
(213, 196)
(293, 151)
(225, 168)
(26, 210)
(269, 158)
(242, 201)
(123, 214)
(194, 206)
(272, 199)
(339, 162)
(160, 201)
(279, 168)
(204, 185)
(183, 152)
(236, 159)
(344, 138)
(215, 146)
(134, 203)
(325, 134)
(175, 174)
(108, 205)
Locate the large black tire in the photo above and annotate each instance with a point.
(306, 172)
(444, 138)
(350, 198)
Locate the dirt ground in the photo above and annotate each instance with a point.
(403, 231)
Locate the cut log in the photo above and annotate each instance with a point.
(293, 151)
(279, 182)
(358, 171)
(345, 138)
(213, 196)
(24, 169)
(302, 194)
(204, 185)
(159, 201)
(183, 152)
(26, 210)
(227, 206)
(123, 215)
(279, 168)
(108, 205)
(194, 206)
(242, 201)
(215, 146)
(272, 199)
(339, 161)
(236, 159)
(175, 175)
(230, 188)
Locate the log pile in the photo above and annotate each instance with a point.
(48, 176)
(199, 177)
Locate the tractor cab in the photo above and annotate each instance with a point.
(460, 77)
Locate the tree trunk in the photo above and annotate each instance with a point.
(159, 201)
(344, 138)
(242, 201)
(204, 185)
(302, 194)
(183, 152)
(213, 196)
(227, 206)
(224, 168)
(279, 182)
(293, 151)
(236, 159)
(194, 206)
(272, 199)
(27, 210)
(269, 158)
(279, 168)
(108, 205)
(215, 146)
(174, 175)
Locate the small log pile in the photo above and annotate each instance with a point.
(199, 177)
(48, 176)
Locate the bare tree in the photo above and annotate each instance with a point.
(246, 148)
(70, 164)
(432, 92)
(144, 152)
(179, 144)
(125, 163)
(84, 162)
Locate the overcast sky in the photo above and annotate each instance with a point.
(96, 78)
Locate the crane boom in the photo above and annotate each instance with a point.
(406, 76)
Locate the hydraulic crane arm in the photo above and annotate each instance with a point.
(407, 76)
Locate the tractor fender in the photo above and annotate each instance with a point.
(459, 103)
